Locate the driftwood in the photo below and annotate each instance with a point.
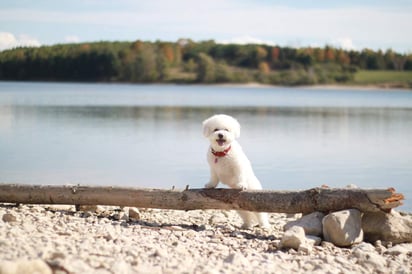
(316, 199)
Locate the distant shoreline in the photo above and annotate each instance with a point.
(243, 85)
(326, 86)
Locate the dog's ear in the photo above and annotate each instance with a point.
(206, 128)
(236, 128)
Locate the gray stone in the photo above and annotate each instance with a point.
(313, 240)
(293, 238)
(85, 208)
(236, 259)
(9, 218)
(389, 227)
(311, 223)
(343, 228)
(121, 216)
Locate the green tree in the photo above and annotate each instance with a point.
(206, 69)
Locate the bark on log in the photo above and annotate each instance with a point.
(306, 201)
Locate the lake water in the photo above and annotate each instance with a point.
(151, 136)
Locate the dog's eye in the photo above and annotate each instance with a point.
(216, 129)
(226, 129)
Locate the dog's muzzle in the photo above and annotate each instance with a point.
(221, 139)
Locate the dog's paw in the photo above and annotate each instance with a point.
(242, 186)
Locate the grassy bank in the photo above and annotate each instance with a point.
(384, 78)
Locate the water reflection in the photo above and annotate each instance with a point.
(290, 147)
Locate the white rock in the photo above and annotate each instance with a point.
(379, 247)
(121, 266)
(60, 207)
(134, 214)
(400, 249)
(293, 238)
(24, 266)
(305, 248)
(343, 228)
(159, 252)
(389, 227)
(311, 223)
(363, 247)
(367, 257)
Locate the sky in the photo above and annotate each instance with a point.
(349, 24)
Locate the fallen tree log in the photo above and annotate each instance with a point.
(306, 201)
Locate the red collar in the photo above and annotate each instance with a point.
(221, 153)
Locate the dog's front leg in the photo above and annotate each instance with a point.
(241, 183)
(242, 186)
(214, 180)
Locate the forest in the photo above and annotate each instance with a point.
(187, 61)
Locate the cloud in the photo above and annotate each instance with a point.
(345, 43)
(250, 21)
(246, 39)
(71, 39)
(9, 41)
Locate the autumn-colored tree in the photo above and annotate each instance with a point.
(137, 46)
(85, 47)
(342, 57)
(261, 53)
(329, 54)
(319, 55)
(309, 51)
(264, 68)
(168, 52)
(20, 55)
(275, 54)
(152, 61)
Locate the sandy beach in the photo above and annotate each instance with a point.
(59, 239)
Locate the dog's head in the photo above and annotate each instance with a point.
(221, 130)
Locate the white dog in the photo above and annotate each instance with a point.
(228, 163)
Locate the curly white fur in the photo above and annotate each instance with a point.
(228, 163)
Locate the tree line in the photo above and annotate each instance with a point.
(193, 62)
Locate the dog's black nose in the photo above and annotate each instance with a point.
(220, 135)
